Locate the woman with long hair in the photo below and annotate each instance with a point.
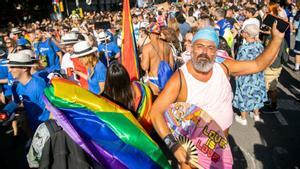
(119, 88)
(172, 23)
(10, 45)
(169, 35)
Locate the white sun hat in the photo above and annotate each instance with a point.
(15, 30)
(28, 52)
(82, 48)
(20, 59)
(103, 36)
(69, 38)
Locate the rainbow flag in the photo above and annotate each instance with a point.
(129, 57)
(144, 105)
(106, 131)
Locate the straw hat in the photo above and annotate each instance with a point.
(69, 38)
(20, 59)
(82, 48)
(28, 52)
(15, 30)
(103, 36)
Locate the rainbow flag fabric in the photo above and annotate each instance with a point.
(129, 57)
(106, 131)
(144, 106)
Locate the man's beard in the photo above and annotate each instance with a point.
(202, 63)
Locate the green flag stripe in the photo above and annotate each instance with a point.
(121, 126)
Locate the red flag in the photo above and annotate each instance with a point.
(129, 53)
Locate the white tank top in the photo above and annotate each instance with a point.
(214, 96)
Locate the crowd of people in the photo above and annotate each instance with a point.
(188, 52)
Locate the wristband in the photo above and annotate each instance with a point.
(171, 142)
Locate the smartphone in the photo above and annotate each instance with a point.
(282, 25)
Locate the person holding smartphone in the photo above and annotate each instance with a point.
(205, 83)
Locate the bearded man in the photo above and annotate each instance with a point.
(204, 83)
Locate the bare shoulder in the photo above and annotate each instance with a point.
(146, 48)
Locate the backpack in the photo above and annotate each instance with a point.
(164, 72)
(60, 151)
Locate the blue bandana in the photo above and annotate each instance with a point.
(207, 34)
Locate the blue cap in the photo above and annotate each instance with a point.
(207, 34)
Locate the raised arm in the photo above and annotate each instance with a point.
(238, 68)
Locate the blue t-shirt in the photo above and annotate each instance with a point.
(110, 35)
(4, 74)
(31, 96)
(223, 24)
(43, 74)
(48, 49)
(111, 49)
(98, 76)
(35, 49)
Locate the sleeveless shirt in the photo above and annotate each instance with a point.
(214, 96)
